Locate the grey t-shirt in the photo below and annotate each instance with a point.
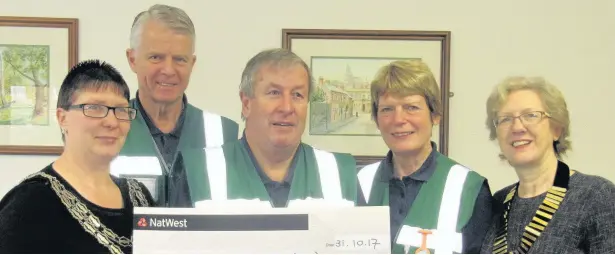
(584, 222)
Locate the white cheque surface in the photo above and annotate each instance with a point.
(304, 230)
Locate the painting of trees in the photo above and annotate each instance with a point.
(318, 95)
(24, 85)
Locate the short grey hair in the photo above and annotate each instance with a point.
(278, 57)
(174, 18)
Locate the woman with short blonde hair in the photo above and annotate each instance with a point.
(552, 208)
(413, 177)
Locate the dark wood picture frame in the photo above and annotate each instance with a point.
(444, 37)
(72, 25)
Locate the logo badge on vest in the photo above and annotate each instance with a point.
(423, 249)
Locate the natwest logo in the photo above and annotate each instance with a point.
(142, 223)
(168, 223)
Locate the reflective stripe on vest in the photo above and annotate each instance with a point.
(149, 165)
(366, 178)
(450, 240)
(214, 133)
(327, 169)
(329, 175)
(447, 239)
(143, 165)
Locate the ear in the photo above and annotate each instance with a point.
(435, 119)
(193, 60)
(61, 117)
(557, 132)
(130, 56)
(245, 104)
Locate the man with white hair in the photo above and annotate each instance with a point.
(161, 54)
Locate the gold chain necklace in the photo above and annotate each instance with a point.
(544, 214)
(90, 222)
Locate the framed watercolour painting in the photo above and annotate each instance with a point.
(35, 55)
(343, 64)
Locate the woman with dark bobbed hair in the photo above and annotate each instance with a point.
(74, 205)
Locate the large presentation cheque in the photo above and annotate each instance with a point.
(250, 230)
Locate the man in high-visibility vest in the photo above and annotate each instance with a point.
(269, 162)
(161, 54)
(436, 204)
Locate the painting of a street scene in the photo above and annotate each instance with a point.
(24, 85)
(341, 102)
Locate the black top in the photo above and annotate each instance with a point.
(403, 192)
(33, 219)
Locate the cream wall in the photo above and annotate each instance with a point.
(571, 43)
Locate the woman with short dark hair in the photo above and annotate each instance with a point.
(74, 205)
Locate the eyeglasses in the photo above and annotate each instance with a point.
(101, 111)
(528, 118)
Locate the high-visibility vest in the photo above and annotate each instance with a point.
(442, 208)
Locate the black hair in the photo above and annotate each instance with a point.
(91, 75)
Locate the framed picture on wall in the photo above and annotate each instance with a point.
(35, 56)
(343, 64)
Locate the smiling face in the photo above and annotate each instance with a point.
(526, 145)
(275, 114)
(405, 123)
(163, 63)
(99, 137)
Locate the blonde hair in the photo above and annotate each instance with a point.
(404, 78)
(551, 97)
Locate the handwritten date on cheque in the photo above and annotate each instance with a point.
(356, 243)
